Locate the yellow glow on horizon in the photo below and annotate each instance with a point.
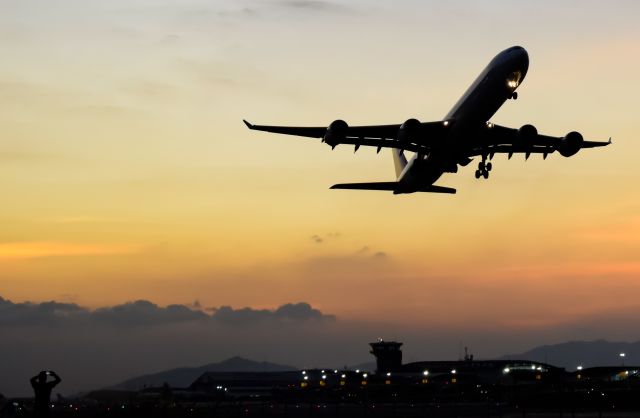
(30, 250)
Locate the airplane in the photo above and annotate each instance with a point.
(464, 133)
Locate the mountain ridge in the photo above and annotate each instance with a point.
(569, 354)
(593, 353)
(184, 376)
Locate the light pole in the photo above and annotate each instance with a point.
(622, 356)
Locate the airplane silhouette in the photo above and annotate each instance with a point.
(464, 133)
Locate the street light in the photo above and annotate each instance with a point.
(622, 356)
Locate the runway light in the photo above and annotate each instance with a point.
(306, 378)
(453, 371)
(357, 370)
(304, 372)
(343, 376)
(533, 367)
(365, 375)
(425, 373)
(506, 370)
(324, 376)
(579, 367)
(388, 373)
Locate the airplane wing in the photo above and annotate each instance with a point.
(379, 136)
(497, 139)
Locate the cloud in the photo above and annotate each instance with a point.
(362, 262)
(288, 312)
(300, 311)
(142, 312)
(146, 313)
(41, 314)
(320, 238)
(367, 253)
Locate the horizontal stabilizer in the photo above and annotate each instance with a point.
(388, 185)
(392, 186)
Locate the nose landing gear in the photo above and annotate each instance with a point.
(484, 168)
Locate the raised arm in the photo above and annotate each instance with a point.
(56, 378)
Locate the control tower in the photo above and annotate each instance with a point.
(388, 355)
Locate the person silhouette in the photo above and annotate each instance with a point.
(42, 390)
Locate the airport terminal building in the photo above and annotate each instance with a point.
(392, 373)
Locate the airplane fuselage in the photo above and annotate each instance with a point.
(495, 85)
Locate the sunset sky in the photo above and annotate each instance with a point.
(127, 173)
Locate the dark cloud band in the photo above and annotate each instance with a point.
(142, 312)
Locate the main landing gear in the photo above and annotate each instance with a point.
(483, 168)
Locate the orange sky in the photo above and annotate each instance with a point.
(127, 172)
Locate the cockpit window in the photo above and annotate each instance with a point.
(513, 79)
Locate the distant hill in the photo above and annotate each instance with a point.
(568, 355)
(184, 376)
(586, 353)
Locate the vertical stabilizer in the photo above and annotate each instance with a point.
(399, 161)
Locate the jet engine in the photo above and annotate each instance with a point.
(336, 132)
(409, 130)
(527, 133)
(570, 144)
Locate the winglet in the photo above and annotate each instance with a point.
(250, 126)
(609, 139)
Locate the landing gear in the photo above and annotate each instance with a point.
(514, 95)
(483, 168)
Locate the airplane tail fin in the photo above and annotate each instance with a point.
(399, 161)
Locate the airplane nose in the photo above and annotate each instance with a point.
(520, 55)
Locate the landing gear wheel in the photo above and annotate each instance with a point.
(481, 166)
(485, 174)
(478, 174)
(489, 166)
